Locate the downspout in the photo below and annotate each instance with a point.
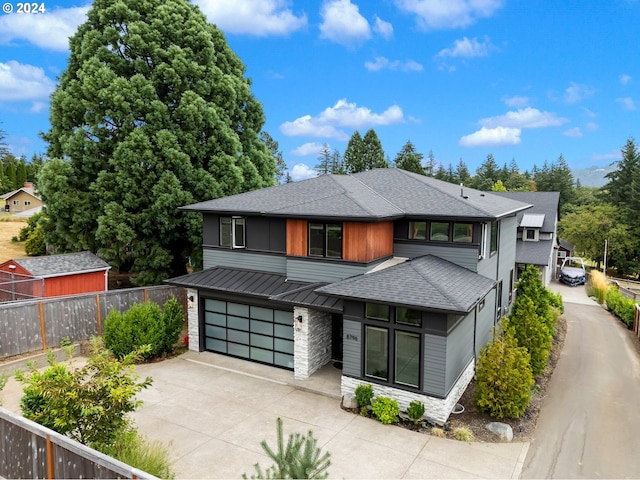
(475, 332)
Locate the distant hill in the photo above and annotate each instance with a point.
(592, 176)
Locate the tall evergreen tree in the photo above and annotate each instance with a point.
(430, 168)
(21, 173)
(486, 174)
(4, 148)
(353, 158)
(153, 112)
(620, 188)
(410, 160)
(274, 149)
(462, 173)
(373, 152)
(10, 172)
(324, 160)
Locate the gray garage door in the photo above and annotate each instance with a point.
(256, 333)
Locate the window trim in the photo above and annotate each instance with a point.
(470, 237)
(494, 237)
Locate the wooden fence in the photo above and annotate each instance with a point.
(636, 321)
(35, 325)
(30, 450)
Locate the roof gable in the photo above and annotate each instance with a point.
(546, 203)
(27, 190)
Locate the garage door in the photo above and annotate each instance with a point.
(256, 333)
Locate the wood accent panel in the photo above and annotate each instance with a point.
(297, 237)
(364, 242)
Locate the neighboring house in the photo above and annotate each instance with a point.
(565, 249)
(537, 232)
(22, 199)
(399, 276)
(52, 275)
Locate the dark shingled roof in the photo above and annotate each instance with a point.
(272, 286)
(62, 264)
(384, 193)
(534, 253)
(429, 283)
(545, 203)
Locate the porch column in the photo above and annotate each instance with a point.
(312, 341)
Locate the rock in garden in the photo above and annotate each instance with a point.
(504, 431)
(349, 401)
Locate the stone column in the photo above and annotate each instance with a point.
(312, 341)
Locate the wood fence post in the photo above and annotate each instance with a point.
(50, 465)
(99, 318)
(144, 293)
(43, 331)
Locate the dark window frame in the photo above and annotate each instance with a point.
(229, 233)
(392, 328)
(326, 228)
(494, 238)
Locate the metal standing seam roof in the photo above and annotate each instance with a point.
(62, 264)
(271, 286)
(532, 220)
(428, 283)
(385, 193)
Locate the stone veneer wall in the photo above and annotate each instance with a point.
(192, 319)
(436, 410)
(312, 341)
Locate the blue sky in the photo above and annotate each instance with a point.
(524, 80)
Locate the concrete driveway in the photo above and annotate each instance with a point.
(215, 411)
(589, 421)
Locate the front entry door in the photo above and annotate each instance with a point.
(336, 337)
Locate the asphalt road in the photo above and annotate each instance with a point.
(589, 424)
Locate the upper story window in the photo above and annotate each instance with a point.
(439, 232)
(27, 202)
(493, 244)
(463, 232)
(325, 240)
(530, 234)
(16, 202)
(232, 232)
(417, 230)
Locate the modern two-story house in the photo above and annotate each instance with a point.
(399, 276)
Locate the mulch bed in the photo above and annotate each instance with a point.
(471, 418)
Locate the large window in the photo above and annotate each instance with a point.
(463, 232)
(232, 232)
(439, 232)
(417, 230)
(392, 350)
(325, 240)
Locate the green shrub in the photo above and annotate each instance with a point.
(620, 306)
(364, 394)
(144, 324)
(555, 300)
(149, 456)
(531, 332)
(386, 410)
(503, 377)
(415, 411)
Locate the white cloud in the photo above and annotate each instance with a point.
(37, 107)
(517, 101)
(492, 137)
(50, 31)
(592, 126)
(467, 48)
(342, 114)
(627, 103)
(574, 132)
(343, 24)
(613, 155)
(625, 79)
(306, 149)
(442, 14)
(302, 172)
(576, 92)
(382, 63)
(384, 29)
(23, 82)
(524, 118)
(259, 18)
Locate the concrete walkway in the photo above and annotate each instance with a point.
(215, 411)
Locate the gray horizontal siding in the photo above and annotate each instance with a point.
(351, 348)
(465, 257)
(214, 257)
(318, 271)
(459, 350)
(435, 357)
(485, 321)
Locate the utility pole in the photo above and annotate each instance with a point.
(606, 244)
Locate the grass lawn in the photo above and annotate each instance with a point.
(10, 227)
